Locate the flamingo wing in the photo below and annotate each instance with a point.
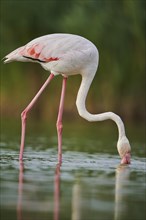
(52, 47)
(35, 53)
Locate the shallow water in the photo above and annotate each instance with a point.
(88, 185)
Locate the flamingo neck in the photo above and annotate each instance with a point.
(80, 103)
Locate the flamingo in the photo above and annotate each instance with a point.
(67, 54)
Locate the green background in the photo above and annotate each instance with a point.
(117, 28)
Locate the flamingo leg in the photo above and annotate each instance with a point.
(25, 112)
(59, 124)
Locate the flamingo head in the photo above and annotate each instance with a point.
(124, 150)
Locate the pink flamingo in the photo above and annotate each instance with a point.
(67, 54)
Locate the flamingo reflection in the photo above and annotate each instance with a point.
(76, 201)
(20, 191)
(57, 192)
(122, 176)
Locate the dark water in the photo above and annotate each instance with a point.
(89, 185)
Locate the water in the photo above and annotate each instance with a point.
(89, 185)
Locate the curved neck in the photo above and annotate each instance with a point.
(80, 103)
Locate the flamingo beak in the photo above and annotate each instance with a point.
(126, 158)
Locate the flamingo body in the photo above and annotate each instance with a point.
(67, 54)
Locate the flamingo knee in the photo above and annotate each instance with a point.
(59, 127)
(24, 115)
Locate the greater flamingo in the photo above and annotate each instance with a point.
(67, 54)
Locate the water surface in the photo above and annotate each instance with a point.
(89, 184)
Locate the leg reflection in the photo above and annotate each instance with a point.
(57, 192)
(20, 191)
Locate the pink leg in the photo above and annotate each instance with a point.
(59, 120)
(25, 112)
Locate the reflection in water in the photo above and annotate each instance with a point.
(76, 201)
(56, 192)
(122, 176)
(76, 195)
(20, 191)
(121, 181)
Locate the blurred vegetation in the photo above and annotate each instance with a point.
(117, 28)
